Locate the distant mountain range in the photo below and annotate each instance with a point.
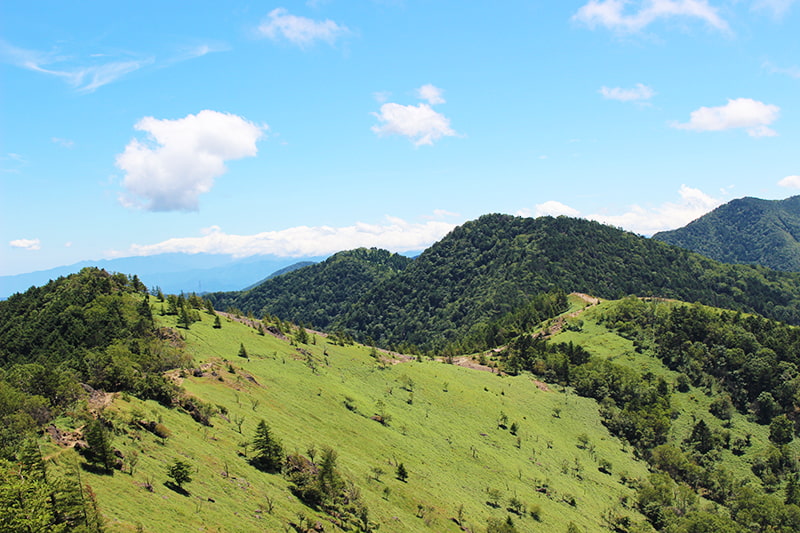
(747, 231)
(173, 273)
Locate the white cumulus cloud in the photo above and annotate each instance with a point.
(300, 31)
(637, 93)
(752, 115)
(420, 123)
(550, 208)
(431, 93)
(26, 244)
(693, 204)
(615, 15)
(180, 159)
(303, 241)
(792, 182)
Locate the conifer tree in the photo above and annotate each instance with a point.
(268, 452)
(99, 450)
(401, 472)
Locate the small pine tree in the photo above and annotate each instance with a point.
(217, 323)
(184, 320)
(793, 490)
(268, 452)
(242, 351)
(401, 473)
(99, 450)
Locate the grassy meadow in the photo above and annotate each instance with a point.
(475, 444)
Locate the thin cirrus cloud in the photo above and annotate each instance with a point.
(420, 123)
(792, 71)
(180, 159)
(753, 116)
(615, 15)
(300, 31)
(26, 244)
(792, 182)
(693, 204)
(85, 78)
(639, 93)
(86, 75)
(777, 8)
(395, 234)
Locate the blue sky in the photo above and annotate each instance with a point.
(303, 128)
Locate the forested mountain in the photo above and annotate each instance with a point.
(746, 230)
(486, 269)
(492, 265)
(317, 293)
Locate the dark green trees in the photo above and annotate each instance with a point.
(401, 473)
(268, 452)
(781, 430)
(180, 472)
(99, 451)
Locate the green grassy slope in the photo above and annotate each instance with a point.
(445, 430)
(446, 434)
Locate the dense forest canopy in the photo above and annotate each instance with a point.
(318, 293)
(493, 265)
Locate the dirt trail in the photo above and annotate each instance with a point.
(555, 327)
(558, 322)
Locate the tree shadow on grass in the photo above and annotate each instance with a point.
(97, 469)
(173, 487)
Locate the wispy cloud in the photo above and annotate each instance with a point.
(180, 159)
(693, 204)
(87, 74)
(751, 115)
(300, 31)
(776, 8)
(792, 182)
(639, 93)
(394, 234)
(792, 72)
(84, 77)
(186, 53)
(66, 143)
(12, 163)
(420, 123)
(26, 244)
(615, 15)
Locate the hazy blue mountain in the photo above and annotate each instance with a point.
(172, 272)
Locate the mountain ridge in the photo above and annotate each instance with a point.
(745, 231)
(495, 265)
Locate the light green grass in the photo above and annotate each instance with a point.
(448, 439)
